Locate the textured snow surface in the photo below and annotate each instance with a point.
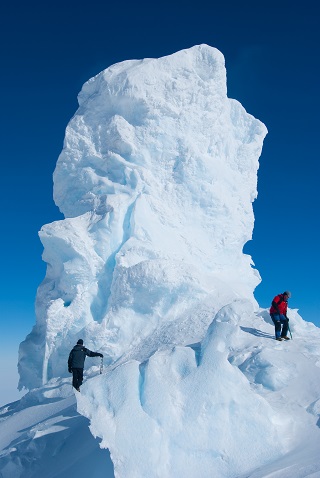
(156, 181)
(237, 405)
(43, 436)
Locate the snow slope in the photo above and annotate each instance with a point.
(43, 436)
(236, 404)
(156, 181)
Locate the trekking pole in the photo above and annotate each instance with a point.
(101, 366)
(289, 331)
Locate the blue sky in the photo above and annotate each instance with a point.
(49, 50)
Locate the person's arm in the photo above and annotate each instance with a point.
(89, 353)
(285, 314)
(70, 362)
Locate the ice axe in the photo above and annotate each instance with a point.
(101, 366)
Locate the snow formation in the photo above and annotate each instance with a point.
(156, 181)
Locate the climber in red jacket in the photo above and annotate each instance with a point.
(278, 313)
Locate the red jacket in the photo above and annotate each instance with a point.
(279, 305)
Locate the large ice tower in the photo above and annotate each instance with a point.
(156, 182)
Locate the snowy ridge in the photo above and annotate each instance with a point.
(274, 434)
(234, 403)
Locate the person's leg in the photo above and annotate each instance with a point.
(75, 377)
(277, 324)
(285, 325)
(80, 377)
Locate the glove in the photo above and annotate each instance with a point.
(70, 370)
(100, 355)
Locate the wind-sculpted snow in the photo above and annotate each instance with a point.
(206, 410)
(156, 180)
(43, 436)
(187, 410)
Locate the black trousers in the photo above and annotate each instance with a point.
(77, 377)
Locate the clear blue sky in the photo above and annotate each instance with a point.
(48, 50)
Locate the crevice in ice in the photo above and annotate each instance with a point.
(100, 304)
(197, 352)
(142, 371)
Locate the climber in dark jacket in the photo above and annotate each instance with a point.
(76, 360)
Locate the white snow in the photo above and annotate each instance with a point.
(156, 181)
(43, 436)
(238, 404)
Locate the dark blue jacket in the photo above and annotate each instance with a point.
(78, 355)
